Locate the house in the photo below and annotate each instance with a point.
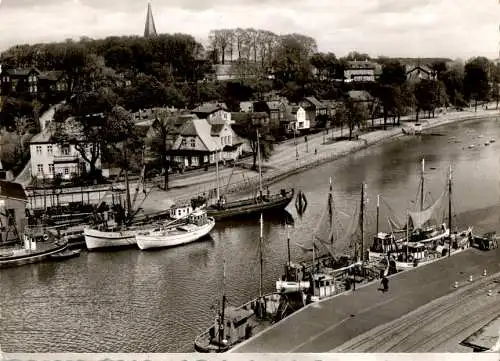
(314, 108)
(53, 82)
(20, 81)
(212, 111)
(415, 73)
(258, 119)
(364, 98)
(13, 202)
(360, 71)
(49, 158)
(276, 109)
(331, 106)
(300, 120)
(199, 141)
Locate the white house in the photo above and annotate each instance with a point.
(359, 71)
(300, 121)
(49, 158)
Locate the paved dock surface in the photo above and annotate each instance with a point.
(326, 325)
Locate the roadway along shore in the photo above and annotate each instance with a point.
(283, 163)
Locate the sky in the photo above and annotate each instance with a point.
(405, 28)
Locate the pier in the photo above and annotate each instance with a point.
(326, 325)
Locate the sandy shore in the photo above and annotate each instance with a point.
(284, 161)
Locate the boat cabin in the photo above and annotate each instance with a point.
(384, 243)
(235, 328)
(177, 212)
(416, 251)
(323, 285)
(293, 272)
(198, 218)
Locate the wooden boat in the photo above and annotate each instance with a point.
(234, 325)
(67, 253)
(326, 275)
(223, 209)
(197, 226)
(485, 242)
(423, 242)
(36, 248)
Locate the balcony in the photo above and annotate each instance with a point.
(66, 158)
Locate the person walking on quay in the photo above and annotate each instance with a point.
(385, 284)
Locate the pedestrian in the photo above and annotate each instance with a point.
(385, 284)
(315, 151)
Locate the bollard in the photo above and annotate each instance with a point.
(484, 272)
(490, 293)
(455, 285)
(470, 278)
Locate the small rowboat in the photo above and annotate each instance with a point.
(68, 253)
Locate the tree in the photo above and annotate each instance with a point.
(248, 130)
(355, 115)
(164, 128)
(476, 80)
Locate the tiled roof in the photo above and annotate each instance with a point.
(202, 129)
(273, 105)
(315, 102)
(356, 64)
(53, 75)
(360, 95)
(22, 71)
(209, 108)
(12, 190)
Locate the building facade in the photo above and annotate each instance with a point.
(13, 202)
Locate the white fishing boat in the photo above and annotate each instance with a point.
(198, 225)
(108, 238)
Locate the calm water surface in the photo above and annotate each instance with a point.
(158, 301)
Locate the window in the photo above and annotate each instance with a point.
(65, 150)
(35, 89)
(193, 143)
(66, 170)
(38, 149)
(39, 168)
(51, 168)
(49, 149)
(183, 143)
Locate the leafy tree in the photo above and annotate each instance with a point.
(248, 130)
(356, 115)
(476, 80)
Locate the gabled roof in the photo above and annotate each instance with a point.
(209, 108)
(21, 71)
(315, 102)
(12, 190)
(198, 128)
(356, 64)
(52, 75)
(360, 95)
(274, 104)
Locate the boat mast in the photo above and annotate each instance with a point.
(288, 243)
(330, 200)
(260, 251)
(260, 170)
(449, 209)
(221, 324)
(378, 212)
(407, 233)
(361, 221)
(217, 173)
(422, 186)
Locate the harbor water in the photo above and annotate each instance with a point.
(158, 301)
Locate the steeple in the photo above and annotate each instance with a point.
(149, 29)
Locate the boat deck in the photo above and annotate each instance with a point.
(325, 325)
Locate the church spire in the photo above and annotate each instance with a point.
(149, 29)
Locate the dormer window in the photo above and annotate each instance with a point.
(193, 143)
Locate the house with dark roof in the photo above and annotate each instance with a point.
(199, 141)
(415, 73)
(20, 81)
(360, 71)
(313, 108)
(212, 111)
(49, 158)
(277, 111)
(53, 81)
(13, 201)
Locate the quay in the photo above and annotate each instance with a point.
(326, 325)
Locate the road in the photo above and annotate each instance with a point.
(325, 326)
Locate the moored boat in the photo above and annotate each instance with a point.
(197, 226)
(65, 254)
(109, 238)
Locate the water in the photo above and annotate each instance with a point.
(158, 301)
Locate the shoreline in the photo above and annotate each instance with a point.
(328, 152)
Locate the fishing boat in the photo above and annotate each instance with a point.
(197, 226)
(425, 239)
(115, 229)
(36, 247)
(261, 202)
(233, 325)
(327, 274)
